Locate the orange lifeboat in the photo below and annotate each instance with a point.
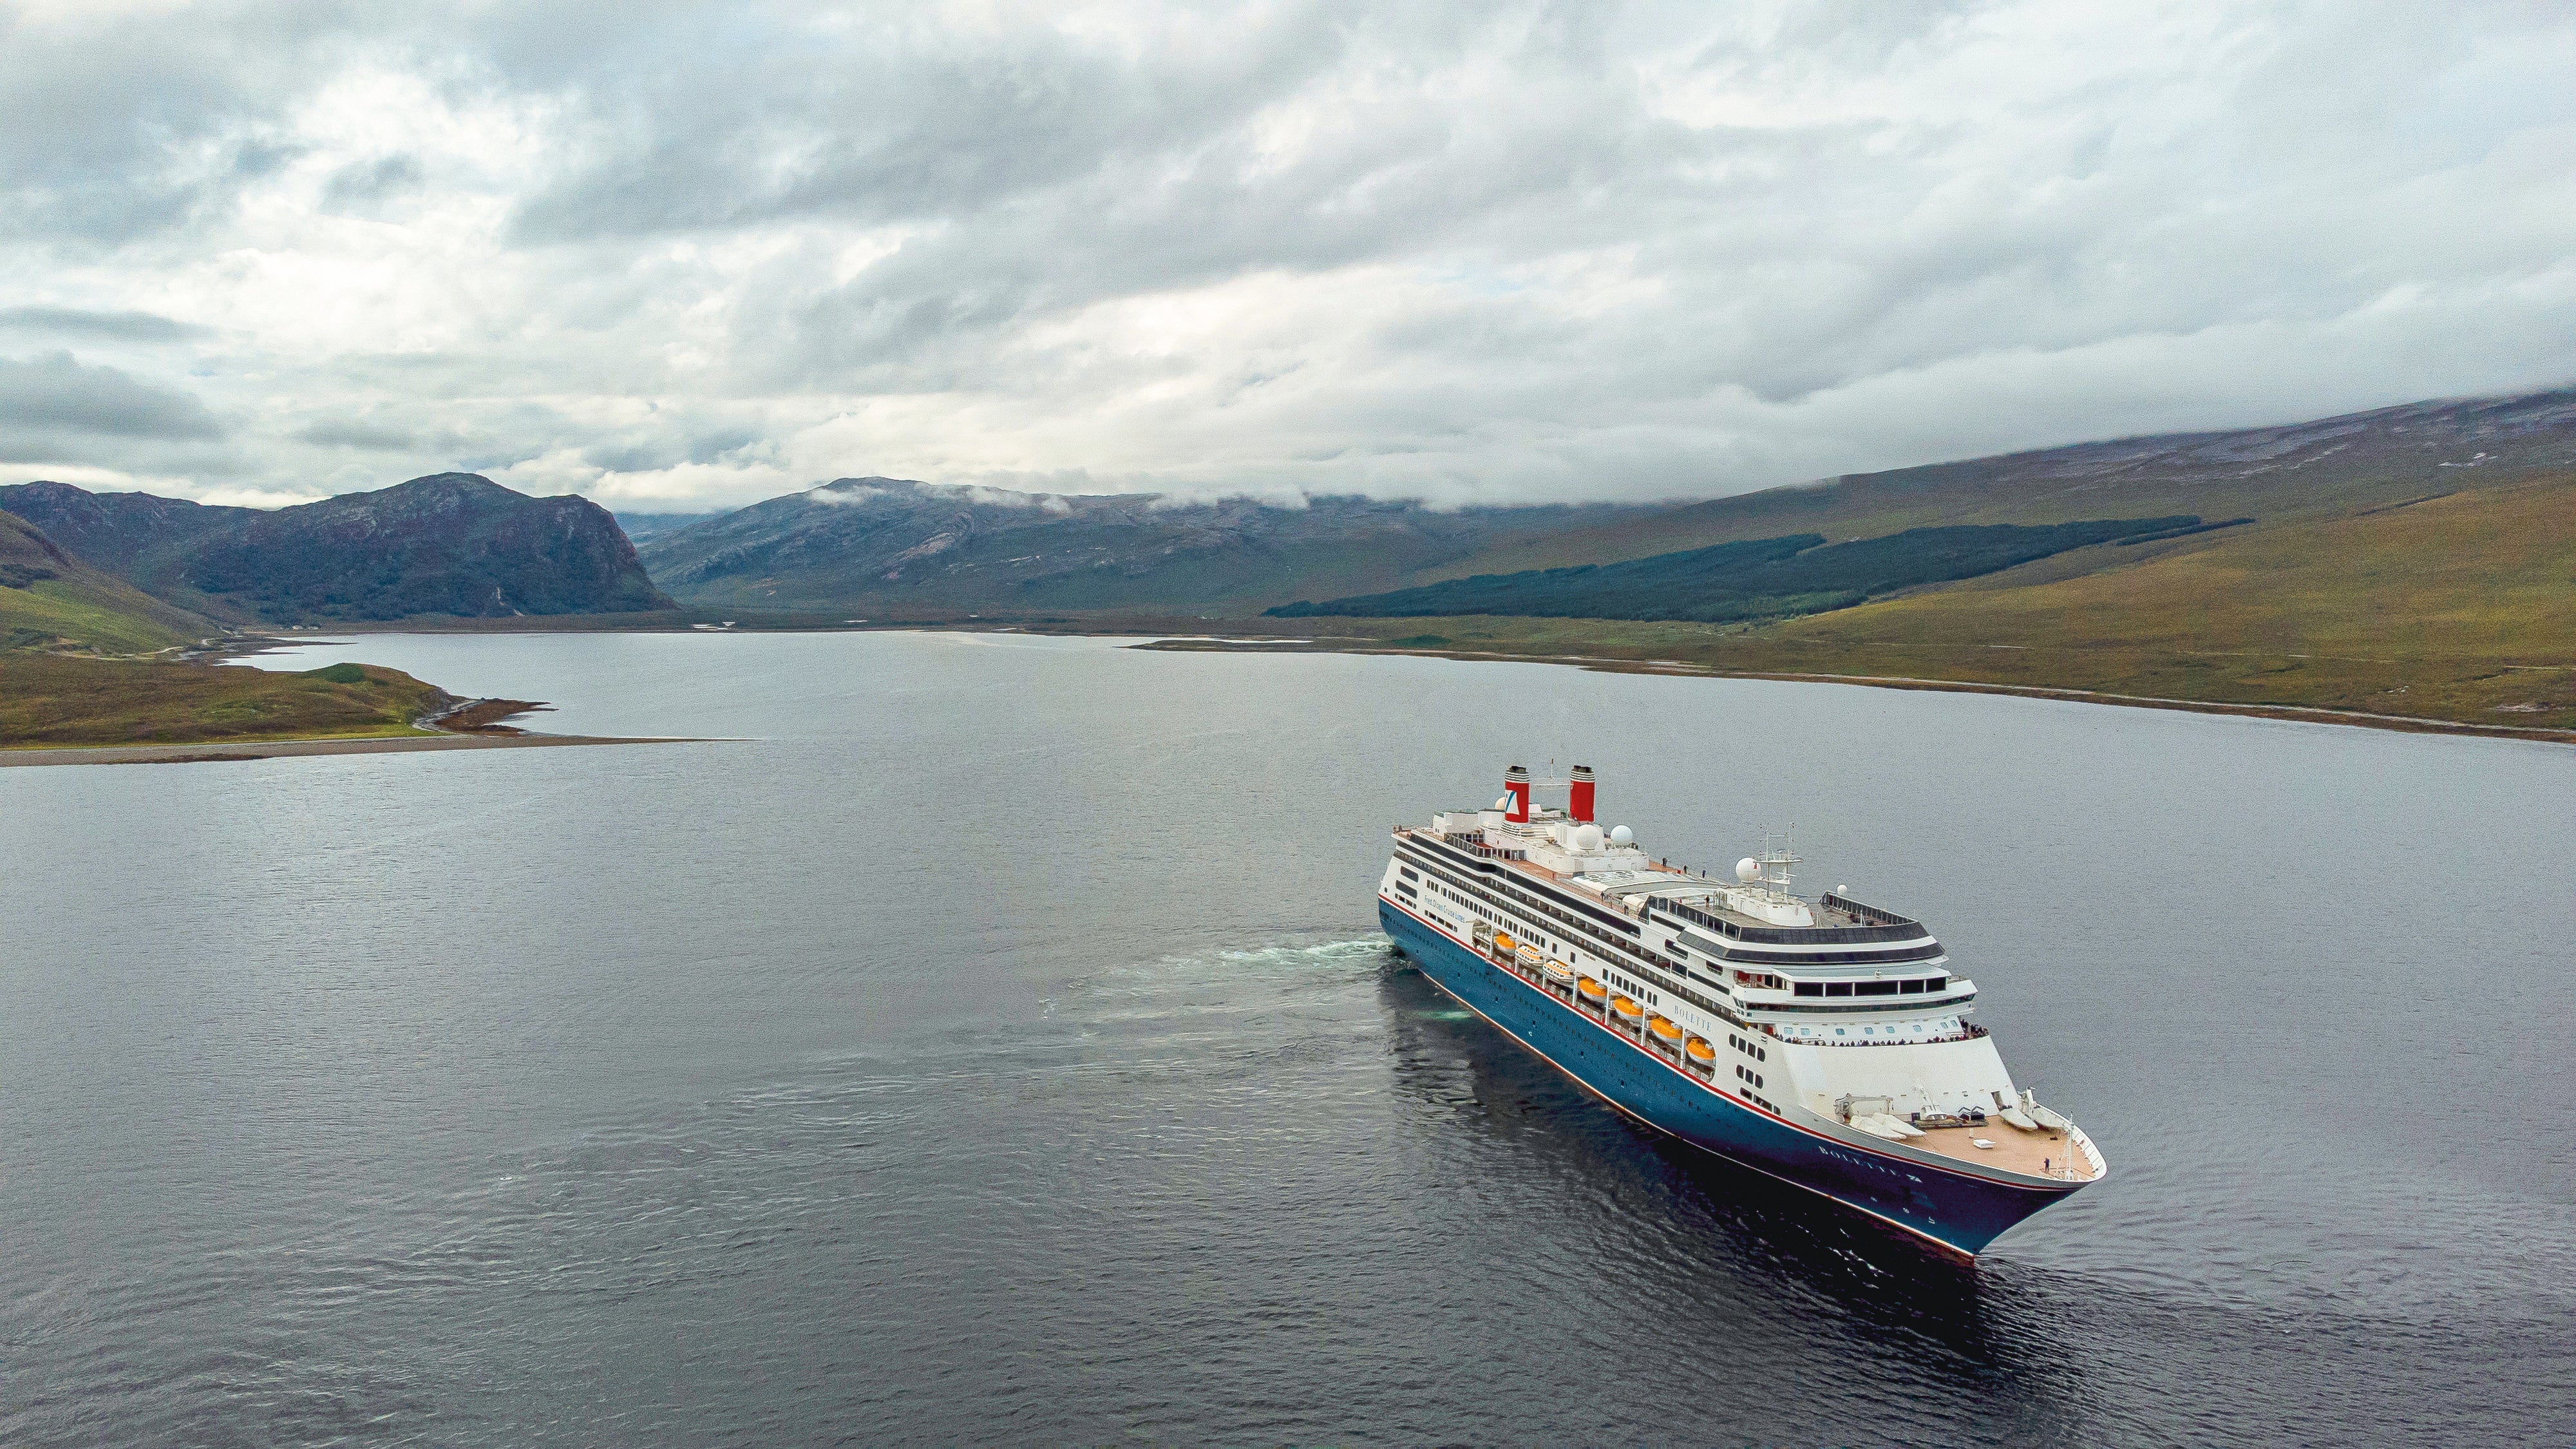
(1661, 1031)
(1626, 1014)
(1591, 993)
(1700, 1056)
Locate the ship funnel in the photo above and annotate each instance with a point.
(1516, 786)
(1578, 799)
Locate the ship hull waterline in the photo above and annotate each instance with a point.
(1952, 1212)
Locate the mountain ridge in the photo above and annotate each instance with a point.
(876, 546)
(875, 542)
(442, 544)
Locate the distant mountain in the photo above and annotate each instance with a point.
(50, 600)
(882, 543)
(1767, 578)
(451, 543)
(884, 547)
(114, 531)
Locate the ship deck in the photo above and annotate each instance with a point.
(2037, 1154)
(1826, 915)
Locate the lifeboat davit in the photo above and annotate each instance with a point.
(1591, 993)
(1625, 1013)
(1661, 1031)
(1700, 1056)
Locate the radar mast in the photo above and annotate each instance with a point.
(1778, 854)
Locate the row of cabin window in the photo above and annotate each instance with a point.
(1908, 987)
(1653, 998)
(1530, 903)
(1748, 1048)
(1633, 989)
(1494, 905)
(1747, 1074)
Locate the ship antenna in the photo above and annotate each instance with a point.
(1776, 860)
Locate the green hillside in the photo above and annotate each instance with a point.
(2460, 608)
(2326, 468)
(77, 668)
(49, 600)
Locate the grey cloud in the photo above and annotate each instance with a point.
(121, 326)
(342, 434)
(1509, 251)
(358, 187)
(651, 454)
(54, 392)
(631, 457)
(890, 121)
(121, 126)
(710, 447)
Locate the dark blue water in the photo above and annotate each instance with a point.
(992, 1044)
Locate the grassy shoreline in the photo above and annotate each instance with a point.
(56, 701)
(1684, 669)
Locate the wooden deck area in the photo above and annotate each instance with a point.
(2040, 1154)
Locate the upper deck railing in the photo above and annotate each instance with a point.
(1888, 926)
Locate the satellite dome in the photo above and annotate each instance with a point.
(1587, 839)
(1622, 835)
(1748, 870)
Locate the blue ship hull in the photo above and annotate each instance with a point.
(1955, 1210)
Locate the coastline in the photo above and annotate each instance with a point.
(1677, 668)
(455, 724)
(203, 752)
(477, 723)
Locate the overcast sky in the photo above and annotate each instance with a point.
(680, 257)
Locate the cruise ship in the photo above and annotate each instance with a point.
(1822, 1041)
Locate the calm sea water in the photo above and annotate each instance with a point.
(990, 1041)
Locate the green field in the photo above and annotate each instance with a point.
(50, 601)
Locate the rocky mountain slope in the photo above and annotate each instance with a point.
(452, 544)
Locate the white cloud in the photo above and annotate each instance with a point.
(714, 253)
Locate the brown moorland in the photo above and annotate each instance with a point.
(54, 700)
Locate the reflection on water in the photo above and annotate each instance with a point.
(989, 1040)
